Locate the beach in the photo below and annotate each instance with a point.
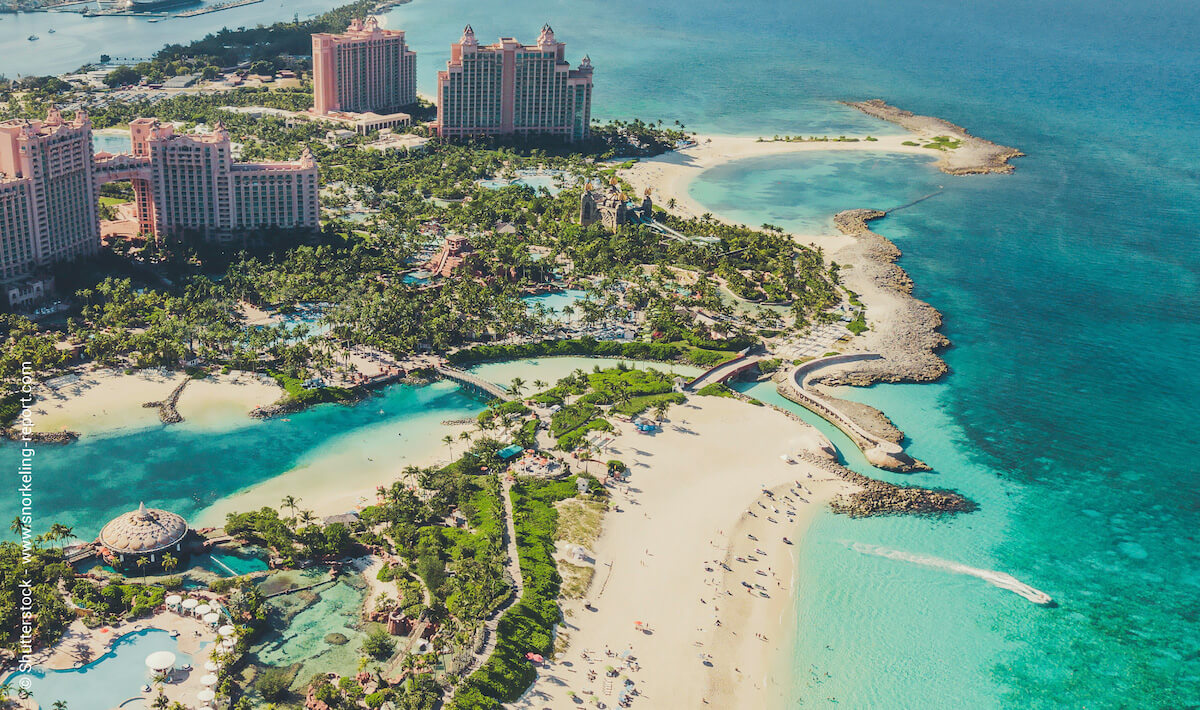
(343, 475)
(692, 503)
(103, 400)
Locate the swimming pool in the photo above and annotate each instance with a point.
(556, 301)
(107, 681)
(230, 565)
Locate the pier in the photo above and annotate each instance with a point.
(217, 8)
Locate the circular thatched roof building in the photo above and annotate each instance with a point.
(144, 531)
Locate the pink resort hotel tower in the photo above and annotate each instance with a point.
(364, 69)
(48, 203)
(183, 185)
(510, 88)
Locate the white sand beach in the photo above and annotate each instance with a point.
(94, 401)
(690, 504)
(216, 400)
(668, 175)
(344, 474)
(103, 399)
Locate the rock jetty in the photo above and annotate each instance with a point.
(42, 437)
(876, 497)
(166, 408)
(974, 155)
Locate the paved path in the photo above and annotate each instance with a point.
(474, 383)
(513, 566)
(723, 372)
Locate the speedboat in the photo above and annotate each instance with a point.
(33, 38)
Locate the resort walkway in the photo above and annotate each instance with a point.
(473, 383)
(724, 371)
(794, 388)
(513, 566)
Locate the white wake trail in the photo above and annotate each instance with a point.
(992, 577)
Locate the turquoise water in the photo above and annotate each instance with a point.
(78, 40)
(107, 681)
(807, 190)
(1071, 291)
(110, 143)
(186, 469)
(335, 609)
(556, 301)
(227, 565)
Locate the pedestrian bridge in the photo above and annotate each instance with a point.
(474, 384)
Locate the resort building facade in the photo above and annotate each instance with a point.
(364, 69)
(48, 205)
(50, 180)
(509, 88)
(190, 183)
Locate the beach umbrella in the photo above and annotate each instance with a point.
(173, 600)
(212, 618)
(206, 695)
(160, 660)
(209, 679)
(226, 630)
(212, 666)
(203, 609)
(229, 643)
(190, 603)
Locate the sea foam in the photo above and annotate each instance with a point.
(1002, 580)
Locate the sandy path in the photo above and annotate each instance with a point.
(657, 560)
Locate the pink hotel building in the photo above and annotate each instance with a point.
(50, 180)
(364, 69)
(510, 88)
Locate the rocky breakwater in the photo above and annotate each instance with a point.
(903, 329)
(41, 437)
(875, 497)
(972, 156)
(166, 408)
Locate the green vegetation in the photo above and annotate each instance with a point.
(716, 389)
(44, 569)
(914, 143)
(300, 394)
(858, 326)
(943, 143)
(528, 626)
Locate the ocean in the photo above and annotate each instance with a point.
(1070, 291)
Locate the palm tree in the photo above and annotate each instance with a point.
(539, 385)
(141, 564)
(449, 441)
(62, 532)
(169, 563)
(59, 705)
(290, 502)
(660, 409)
(307, 517)
(18, 526)
(516, 385)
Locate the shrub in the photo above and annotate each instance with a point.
(379, 644)
(272, 684)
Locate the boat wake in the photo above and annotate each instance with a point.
(992, 577)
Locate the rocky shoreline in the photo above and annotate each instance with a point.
(908, 338)
(167, 411)
(42, 437)
(975, 156)
(876, 497)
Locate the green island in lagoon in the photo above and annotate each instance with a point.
(339, 379)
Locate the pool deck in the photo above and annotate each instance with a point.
(81, 645)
